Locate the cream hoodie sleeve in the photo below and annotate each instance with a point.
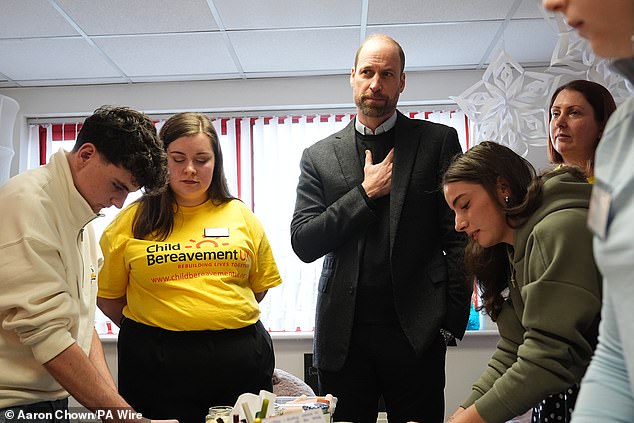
(35, 302)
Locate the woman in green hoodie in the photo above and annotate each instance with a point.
(531, 253)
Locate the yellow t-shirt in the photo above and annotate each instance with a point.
(190, 281)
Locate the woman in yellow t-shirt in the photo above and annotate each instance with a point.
(183, 274)
(577, 116)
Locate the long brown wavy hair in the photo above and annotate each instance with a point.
(486, 164)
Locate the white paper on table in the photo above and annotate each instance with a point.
(308, 416)
(254, 403)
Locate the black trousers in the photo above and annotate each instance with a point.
(381, 361)
(179, 375)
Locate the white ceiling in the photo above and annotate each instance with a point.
(69, 42)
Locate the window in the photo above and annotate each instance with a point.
(261, 156)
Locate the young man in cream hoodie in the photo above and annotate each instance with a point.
(49, 264)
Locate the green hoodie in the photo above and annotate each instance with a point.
(548, 324)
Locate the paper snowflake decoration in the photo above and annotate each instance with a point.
(573, 58)
(509, 105)
(502, 106)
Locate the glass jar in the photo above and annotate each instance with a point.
(219, 414)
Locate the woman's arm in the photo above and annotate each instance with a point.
(605, 394)
(468, 415)
(113, 308)
(259, 296)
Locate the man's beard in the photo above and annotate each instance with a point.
(376, 111)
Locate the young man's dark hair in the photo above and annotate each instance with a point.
(127, 138)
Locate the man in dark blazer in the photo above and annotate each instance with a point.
(392, 290)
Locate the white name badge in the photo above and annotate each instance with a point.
(216, 232)
(599, 213)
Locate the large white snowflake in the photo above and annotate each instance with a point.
(502, 105)
(573, 58)
(509, 105)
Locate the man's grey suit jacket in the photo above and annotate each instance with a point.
(332, 214)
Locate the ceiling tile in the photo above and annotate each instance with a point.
(529, 9)
(179, 40)
(176, 54)
(32, 18)
(139, 16)
(529, 41)
(441, 45)
(55, 58)
(319, 50)
(426, 11)
(249, 14)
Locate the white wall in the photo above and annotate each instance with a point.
(229, 95)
